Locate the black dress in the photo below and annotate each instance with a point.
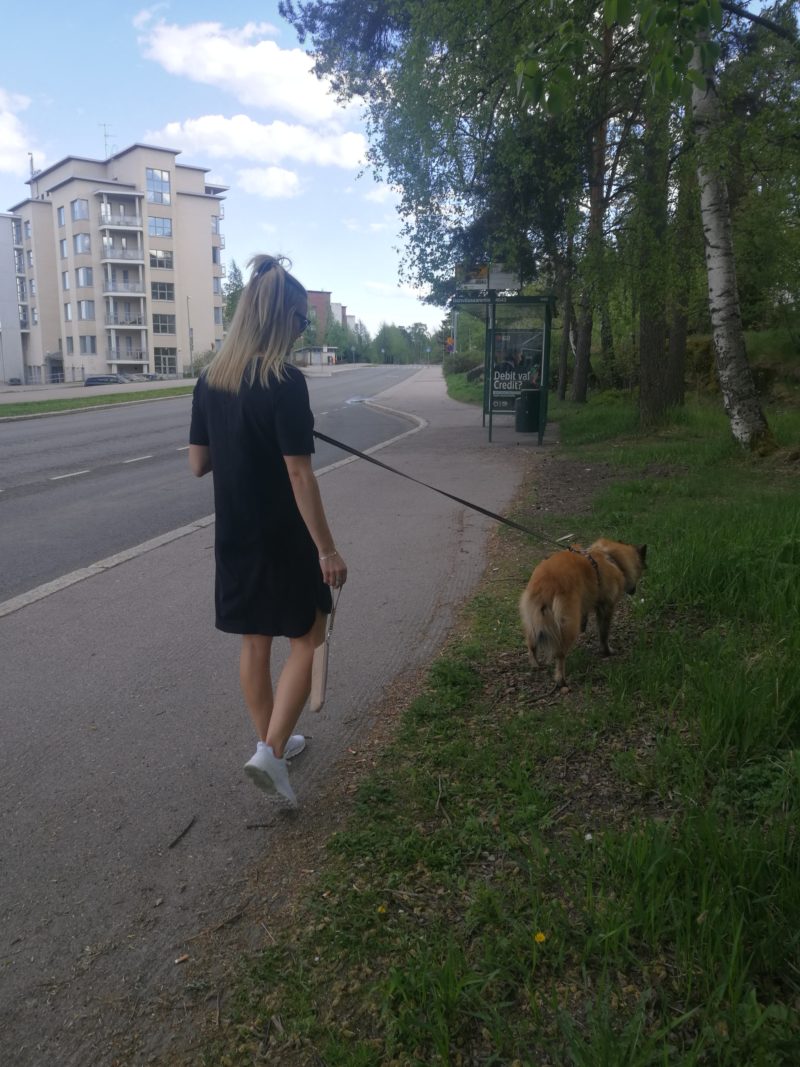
(268, 578)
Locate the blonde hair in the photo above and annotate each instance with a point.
(263, 327)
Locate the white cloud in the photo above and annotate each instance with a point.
(274, 142)
(381, 194)
(15, 141)
(274, 183)
(243, 62)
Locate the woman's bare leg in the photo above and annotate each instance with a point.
(293, 686)
(256, 680)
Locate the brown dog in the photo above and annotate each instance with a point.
(563, 590)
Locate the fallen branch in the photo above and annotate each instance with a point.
(183, 832)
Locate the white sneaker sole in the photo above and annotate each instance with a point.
(296, 749)
(263, 781)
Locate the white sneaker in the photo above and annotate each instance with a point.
(269, 773)
(294, 746)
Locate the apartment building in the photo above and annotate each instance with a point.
(118, 266)
(12, 287)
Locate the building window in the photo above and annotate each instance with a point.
(70, 346)
(34, 316)
(79, 210)
(163, 324)
(84, 277)
(65, 280)
(86, 310)
(68, 313)
(215, 224)
(22, 290)
(216, 256)
(61, 216)
(16, 231)
(157, 186)
(32, 286)
(159, 226)
(23, 315)
(62, 247)
(161, 259)
(30, 259)
(216, 285)
(165, 360)
(19, 261)
(27, 225)
(81, 242)
(88, 345)
(162, 290)
(217, 316)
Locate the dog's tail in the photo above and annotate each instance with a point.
(541, 622)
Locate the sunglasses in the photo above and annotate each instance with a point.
(304, 322)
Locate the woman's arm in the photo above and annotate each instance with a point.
(309, 503)
(199, 460)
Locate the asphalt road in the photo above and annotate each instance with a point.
(81, 487)
(127, 827)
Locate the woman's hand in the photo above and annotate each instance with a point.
(334, 569)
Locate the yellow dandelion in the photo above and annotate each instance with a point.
(539, 937)
(382, 909)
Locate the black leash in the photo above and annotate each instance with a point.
(442, 492)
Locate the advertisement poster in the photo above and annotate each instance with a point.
(518, 363)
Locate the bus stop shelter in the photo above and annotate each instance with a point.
(515, 334)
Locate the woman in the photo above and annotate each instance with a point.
(276, 559)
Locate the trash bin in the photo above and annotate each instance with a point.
(526, 410)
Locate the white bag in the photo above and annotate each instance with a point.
(319, 666)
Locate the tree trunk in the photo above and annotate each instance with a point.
(652, 239)
(739, 396)
(594, 239)
(563, 354)
(568, 317)
(678, 312)
(607, 343)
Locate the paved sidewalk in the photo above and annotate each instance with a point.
(123, 726)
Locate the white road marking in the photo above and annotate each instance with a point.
(40, 592)
(72, 474)
(66, 580)
(183, 448)
(137, 459)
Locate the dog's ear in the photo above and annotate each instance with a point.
(642, 550)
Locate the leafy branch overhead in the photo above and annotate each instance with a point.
(575, 158)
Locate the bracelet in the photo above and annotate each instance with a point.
(330, 556)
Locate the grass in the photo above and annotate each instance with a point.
(44, 407)
(608, 878)
(460, 389)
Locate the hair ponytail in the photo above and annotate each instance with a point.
(263, 328)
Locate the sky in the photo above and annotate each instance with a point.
(230, 87)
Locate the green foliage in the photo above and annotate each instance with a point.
(459, 387)
(231, 291)
(398, 344)
(489, 901)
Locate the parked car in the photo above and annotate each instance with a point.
(105, 379)
(15, 381)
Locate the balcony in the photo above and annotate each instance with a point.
(120, 222)
(126, 322)
(135, 355)
(123, 287)
(127, 254)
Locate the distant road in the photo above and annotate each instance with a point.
(75, 489)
